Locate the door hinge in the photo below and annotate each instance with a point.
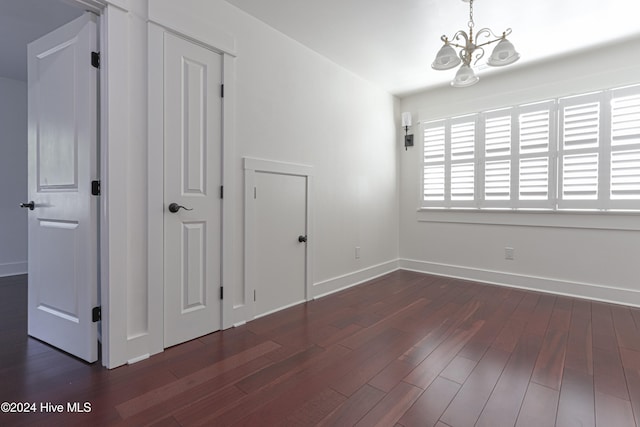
(95, 59)
(221, 91)
(222, 191)
(95, 188)
(96, 314)
(221, 292)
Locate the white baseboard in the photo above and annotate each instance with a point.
(590, 291)
(275, 310)
(340, 283)
(138, 359)
(13, 268)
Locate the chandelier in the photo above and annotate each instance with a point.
(471, 50)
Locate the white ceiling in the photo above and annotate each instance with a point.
(21, 22)
(392, 43)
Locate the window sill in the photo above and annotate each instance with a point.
(601, 220)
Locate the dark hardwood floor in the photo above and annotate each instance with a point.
(406, 349)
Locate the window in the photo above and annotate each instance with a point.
(536, 154)
(579, 152)
(498, 157)
(624, 178)
(449, 162)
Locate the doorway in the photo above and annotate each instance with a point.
(22, 22)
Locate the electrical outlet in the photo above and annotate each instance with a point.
(357, 252)
(509, 253)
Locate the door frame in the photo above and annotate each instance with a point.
(156, 204)
(251, 167)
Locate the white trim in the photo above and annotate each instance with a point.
(246, 309)
(229, 201)
(13, 268)
(125, 65)
(608, 294)
(155, 194)
(95, 6)
(138, 359)
(214, 39)
(594, 220)
(108, 337)
(339, 283)
(275, 310)
(114, 128)
(270, 166)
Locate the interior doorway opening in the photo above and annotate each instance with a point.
(21, 22)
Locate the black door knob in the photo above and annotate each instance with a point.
(29, 205)
(302, 239)
(174, 207)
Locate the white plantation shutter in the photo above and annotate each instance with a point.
(434, 140)
(624, 191)
(462, 160)
(580, 151)
(449, 162)
(498, 158)
(536, 154)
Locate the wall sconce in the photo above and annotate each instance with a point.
(406, 124)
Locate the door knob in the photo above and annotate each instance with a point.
(174, 207)
(302, 239)
(29, 205)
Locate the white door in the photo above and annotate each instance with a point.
(63, 219)
(280, 248)
(192, 171)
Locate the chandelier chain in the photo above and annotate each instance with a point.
(471, 23)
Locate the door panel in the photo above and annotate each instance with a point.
(63, 226)
(280, 215)
(192, 117)
(194, 284)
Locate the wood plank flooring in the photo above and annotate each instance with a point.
(406, 349)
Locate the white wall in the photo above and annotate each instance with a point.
(291, 105)
(13, 177)
(590, 255)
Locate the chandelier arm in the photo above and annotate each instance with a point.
(456, 36)
(446, 40)
(478, 55)
(459, 34)
(461, 46)
(486, 32)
